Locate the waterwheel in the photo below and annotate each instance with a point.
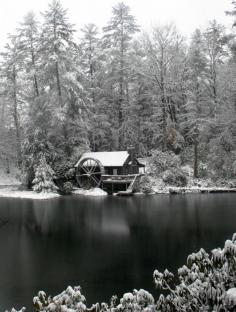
(89, 173)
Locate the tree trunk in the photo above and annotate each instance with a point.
(164, 127)
(7, 166)
(16, 121)
(164, 108)
(57, 67)
(163, 101)
(2, 119)
(91, 69)
(121, 82)
(214, 87)
(58, 84)
(36, 88)
(195, 159)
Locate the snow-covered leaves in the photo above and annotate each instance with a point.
(44, 175)
(72, 300)
(206, 283)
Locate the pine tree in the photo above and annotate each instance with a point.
(10, 69)
(44, 175)
(57, 46)
(215, 50)
(28, 35)
(194, 117)
(117, 37)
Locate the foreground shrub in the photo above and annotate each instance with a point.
(206, 283)
(175, 177)
(72, 300)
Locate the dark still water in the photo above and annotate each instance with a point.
(107, 245)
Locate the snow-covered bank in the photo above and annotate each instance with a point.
(13, 192)
(183, 190)
(93, 192)
(193, 186)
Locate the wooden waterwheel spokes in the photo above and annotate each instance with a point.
(89, 173)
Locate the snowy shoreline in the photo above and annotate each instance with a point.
(14, 192)
(195, 190)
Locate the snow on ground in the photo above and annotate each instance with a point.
(13, 192)
(92, 192)
(193, 186)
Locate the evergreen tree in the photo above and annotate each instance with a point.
(216, 51)
(92, 58)
(10, 69)
(57, 46)
(28, 34)
(194, 116)
(44, 175)
(117, 37)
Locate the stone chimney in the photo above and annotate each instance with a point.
(131, 151)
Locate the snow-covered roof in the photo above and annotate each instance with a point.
(107, 159)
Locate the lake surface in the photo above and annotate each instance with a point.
(106, 245)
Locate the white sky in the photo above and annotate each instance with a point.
(186, 14)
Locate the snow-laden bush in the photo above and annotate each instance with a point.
(222, 163)
(146, 185)
(162, 161)
(175, 177)
(222, 156)
(206, 283)
(67, 188)
(139, 300)
(44, 175)
(72, 300)
(202, 170)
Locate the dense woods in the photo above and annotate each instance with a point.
(63, 93)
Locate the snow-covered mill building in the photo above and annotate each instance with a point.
(112, 171)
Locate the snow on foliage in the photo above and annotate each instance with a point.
(162, 161)
(206, 283)
(44, 175)
(72, 300)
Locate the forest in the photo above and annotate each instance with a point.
(64, 92)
